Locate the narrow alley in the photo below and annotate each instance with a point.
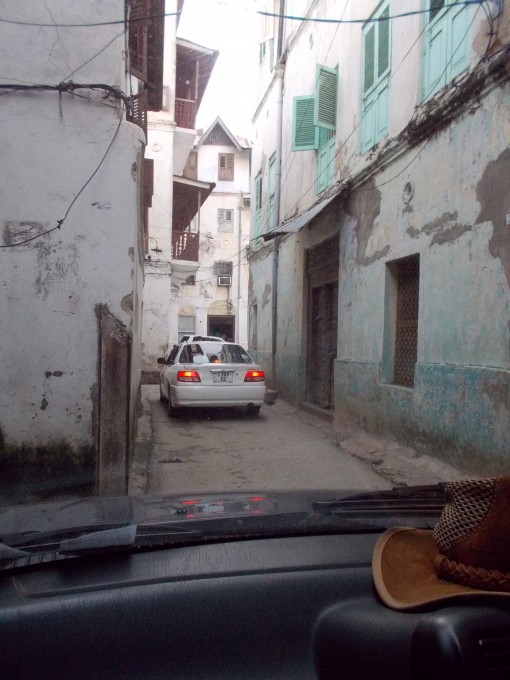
(214, 450)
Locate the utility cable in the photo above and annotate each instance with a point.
(348, 179)
(62, 220)
(362, 21)
(115, 37)
(148, 17)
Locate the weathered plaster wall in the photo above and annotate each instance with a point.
(456, 222)
(260, 295)
(158, 270)
(51, 285)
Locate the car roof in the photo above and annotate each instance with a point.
(199, 338)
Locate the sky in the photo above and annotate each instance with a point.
(232, 28)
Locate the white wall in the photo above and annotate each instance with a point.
(52, 145)
(161, 149)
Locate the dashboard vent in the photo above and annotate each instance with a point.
(495, 656)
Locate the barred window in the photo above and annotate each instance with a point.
(406, 321)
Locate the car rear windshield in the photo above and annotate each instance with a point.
(234, 354)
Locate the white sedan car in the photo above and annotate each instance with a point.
(211, 373)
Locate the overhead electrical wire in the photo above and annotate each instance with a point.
(289, 17)
(148, 17)
(347, 179)
(362, 21)
(61, 221)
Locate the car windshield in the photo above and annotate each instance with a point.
(250, 247)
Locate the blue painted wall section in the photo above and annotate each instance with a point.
(461, 414)
(455, 220)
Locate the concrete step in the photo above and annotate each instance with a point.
(315, 410)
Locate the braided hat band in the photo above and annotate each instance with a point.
(473, 577)
(466, 557)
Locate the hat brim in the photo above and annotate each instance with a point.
(404, 574)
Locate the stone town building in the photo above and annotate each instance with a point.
(380, 252)
(77, 81)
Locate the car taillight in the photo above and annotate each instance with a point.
(254, 376)
(188, 376)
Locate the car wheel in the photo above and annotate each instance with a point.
(252, 411)
(172, 410)
(162, 397)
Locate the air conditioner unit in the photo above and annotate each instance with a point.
(224, 280)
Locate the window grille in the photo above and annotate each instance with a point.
(406, 335)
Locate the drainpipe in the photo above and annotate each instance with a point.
(280, 73)
(240, 207)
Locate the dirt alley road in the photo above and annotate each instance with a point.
(211, 450)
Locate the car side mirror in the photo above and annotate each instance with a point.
(161, 360)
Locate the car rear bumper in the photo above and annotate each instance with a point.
(218, 395)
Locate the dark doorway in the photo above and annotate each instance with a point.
(322, 275)
(222, 326)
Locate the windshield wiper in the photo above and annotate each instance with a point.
(400, 501)
(54, 546)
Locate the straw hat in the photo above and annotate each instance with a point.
(466, 556)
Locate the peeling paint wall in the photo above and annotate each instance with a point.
(456, 221)
(51, 285)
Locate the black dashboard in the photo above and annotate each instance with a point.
(289, 607)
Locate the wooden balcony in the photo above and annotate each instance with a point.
(185, 246)
(185, 113)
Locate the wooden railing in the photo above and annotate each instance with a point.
(185, 246)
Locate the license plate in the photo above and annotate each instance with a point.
(222, 376)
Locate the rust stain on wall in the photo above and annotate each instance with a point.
(494, 198)
(365, 206)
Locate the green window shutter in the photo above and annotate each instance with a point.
(368, 122)
(369, 63)
(326, 164)
(383, 105)
(321, 169)
(435, 58)
(326, 97)
(258, 206)
(376, 78)
(458, 19)
(447, 44)
(271, 218)
(304, 132)
(383, 47)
